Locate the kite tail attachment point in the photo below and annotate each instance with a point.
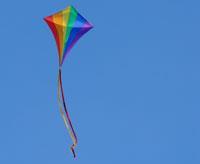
(65, 114)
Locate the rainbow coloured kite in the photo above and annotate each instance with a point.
(67, 27)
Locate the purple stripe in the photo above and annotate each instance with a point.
(85, 29)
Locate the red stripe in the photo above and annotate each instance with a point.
(49, 21)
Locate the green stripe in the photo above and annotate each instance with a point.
(72, 19)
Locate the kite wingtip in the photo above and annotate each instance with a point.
(46, 19)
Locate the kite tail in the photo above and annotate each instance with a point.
(65, 116)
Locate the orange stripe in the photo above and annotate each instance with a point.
(58, 21)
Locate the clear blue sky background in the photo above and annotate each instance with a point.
(132, 83)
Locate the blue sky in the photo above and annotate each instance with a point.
(132, 83)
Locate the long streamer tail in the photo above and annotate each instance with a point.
(65, 114)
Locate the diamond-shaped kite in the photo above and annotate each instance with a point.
(67, 27)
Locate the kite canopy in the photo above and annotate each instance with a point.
(67, 27)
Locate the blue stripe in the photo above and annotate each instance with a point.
(78, 25)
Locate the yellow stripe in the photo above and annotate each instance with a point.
(66, 14)
(58, 21)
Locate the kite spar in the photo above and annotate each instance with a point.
(67, 26)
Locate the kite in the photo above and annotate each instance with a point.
(67, 26)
